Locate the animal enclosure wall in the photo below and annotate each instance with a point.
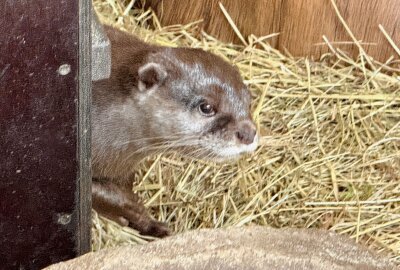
(301, 23)
(44, 132)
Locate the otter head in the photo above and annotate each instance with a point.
(196, 103)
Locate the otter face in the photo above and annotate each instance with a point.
(200, 105)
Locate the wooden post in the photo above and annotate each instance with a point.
(44, 132)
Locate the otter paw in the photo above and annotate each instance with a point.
(156, 229)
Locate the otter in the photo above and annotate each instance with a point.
(160, 99)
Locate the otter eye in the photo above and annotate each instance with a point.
(206, 109)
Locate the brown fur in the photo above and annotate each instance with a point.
(153, 100)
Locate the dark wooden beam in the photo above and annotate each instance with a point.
(44, 132)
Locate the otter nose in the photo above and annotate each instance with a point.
(246, 133)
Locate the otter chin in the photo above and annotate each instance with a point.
(224, 151)
(229, 153)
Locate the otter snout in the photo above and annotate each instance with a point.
(246, 132)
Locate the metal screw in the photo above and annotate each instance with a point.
(64, 219)
(64, 69)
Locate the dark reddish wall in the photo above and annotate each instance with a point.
(39, 167)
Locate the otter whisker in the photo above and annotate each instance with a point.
(164, 146)
(177, 135)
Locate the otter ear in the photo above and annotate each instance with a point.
(151, 75)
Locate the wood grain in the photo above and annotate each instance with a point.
(300, 22)
(303, 27)
(261, 16)
(84, 128)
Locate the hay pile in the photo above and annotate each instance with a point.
(329, 154)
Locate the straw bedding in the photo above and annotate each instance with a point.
(329, 156)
